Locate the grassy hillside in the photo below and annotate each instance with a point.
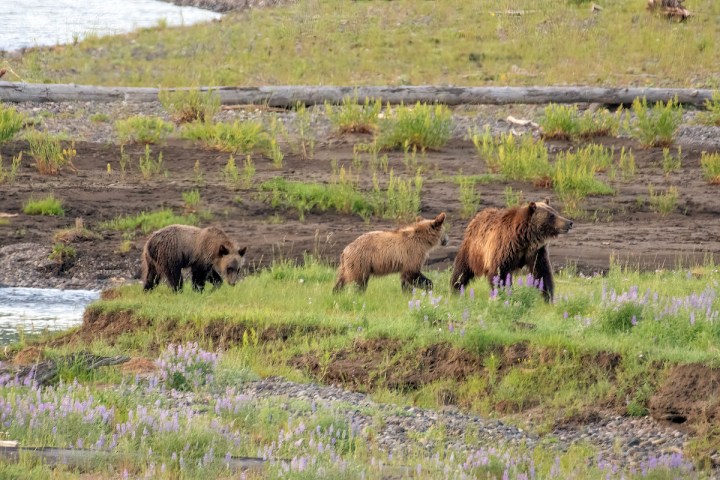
(402, 42)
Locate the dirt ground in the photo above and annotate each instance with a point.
(622, 226)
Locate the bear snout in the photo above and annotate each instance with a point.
(566, 226)
(444, 240)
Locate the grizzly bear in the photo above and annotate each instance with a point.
(502, 241)
(383, 252)
(208, 252)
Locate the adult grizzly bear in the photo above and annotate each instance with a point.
(383, 252)
(501, 241)
(208, 252)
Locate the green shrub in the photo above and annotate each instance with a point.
(562, 121)
(671, 163)
(402, 197)
(48, 206)
(48, 152)
(147, 222)
(353, 117)
(191, 105)
(142, 129)
(11, 122)
(191, 199)
(512, 198)
(516, 158)
(149, 166)
(574, 172)
(663, 202)
(469, 196)
(422, 126)
(100, 117)
(62, 253)
(656, 126)
(243, 137)
(8, 175)
(626, 163)
(710, 163)
(711, 115)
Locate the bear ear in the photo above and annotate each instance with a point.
(242, 251)
(419, 218)
(532, 207)
(439, 220)
(222, 251)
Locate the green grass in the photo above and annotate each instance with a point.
(566, 122)
(50, 152)
(516, 158)
(710, 163)
(655, 126)
(146, 222)
(7, 175)
(370, 43)
(150, 166)
(469, 196)
(190, 105)
(143, 129)
(663, 202)
(237, 137)
(48, 205)
(711, 115)
(421, 126)
(354, 117)
(11, 122)
(62, 253)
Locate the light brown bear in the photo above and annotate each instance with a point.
(208, 252)
(502, 241)
(383, 252)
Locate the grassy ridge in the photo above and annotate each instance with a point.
(402, 42)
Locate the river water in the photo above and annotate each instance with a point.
(29, 23)
(33, 310)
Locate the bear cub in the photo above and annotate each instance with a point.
(207, 252)
(502, 241)
(383, 252)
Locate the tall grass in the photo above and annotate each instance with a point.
(354, 117)
(656, 126)
(516, 158)
(11, 122)
(49, 153)
(191, 105)
(143, 129)
(421, 126)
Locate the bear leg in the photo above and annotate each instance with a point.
(150, 277)
(461, 275)
(214, 278)
(541, 268)
(339, 283)
(410, 280)
(174, 279)
(198, 278)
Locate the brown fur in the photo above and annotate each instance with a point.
(383, 252)
(500, 242)
(208, 252)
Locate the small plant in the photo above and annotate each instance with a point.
(242, 137)
(230, 172)
(422, 126)
(562, 121)
(711, 115)
(11, 122)
(74, 234)
(665, 202)
(276, 154)
(198, 174)
(469, 196)
(248, 172)
(512, 198)
(8, 175)
(402, 197)
(306, 137)
(48, 152)
(710, 163)
(516, 158)
(150, 166)
(124, 161)
(142, 129)
(656, 127)
(353, 117)
(671, 163)
(192, 105)
(626, 163)
(191, 199)
(62, 254)
(47, 206)
(100, 118)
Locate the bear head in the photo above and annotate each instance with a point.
(229, 262)
(545, 222)
(435, 228)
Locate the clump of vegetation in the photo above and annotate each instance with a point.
(469, 196)
(516, 158)
(191, 200)
(143, 129)
(711, 115)
(512, 197)
(100, 118)
(710, 163)
(48, 152)
(354, 117)
(276, 127)
(573, 176)
(62, 254)
(75, 233)
(237, 137)
(671, 163)
(192, 105)
(7, 175)
(48, 206)
(656, 126)
(421, 126)
(150, 166)
(305, 141)
(663, 202)
(11, 122)
(146, 222)
(626, 163)
(563, 121)
(402, 197)
(230, 172)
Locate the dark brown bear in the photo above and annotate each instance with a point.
(500, 242)
(383, 252)
(208, 252)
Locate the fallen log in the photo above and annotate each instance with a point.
(290, 95)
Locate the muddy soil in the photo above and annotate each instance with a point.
(621, 226)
